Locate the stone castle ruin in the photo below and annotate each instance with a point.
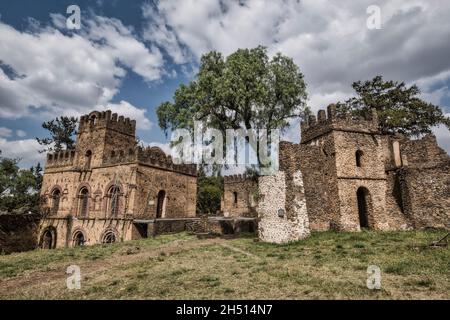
(109, 189)
(344, 175)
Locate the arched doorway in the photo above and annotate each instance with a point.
(48, 238)
(160, 207)
(78, 239)
(364, 207)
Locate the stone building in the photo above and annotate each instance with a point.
(239, 196)
(109, 189)
(351, 176)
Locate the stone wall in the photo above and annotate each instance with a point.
(94, 230)
(239, 197)
(282, 208)
(145, 181)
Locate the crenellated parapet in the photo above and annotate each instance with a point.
(62, 158)
(154, 156)
(235, 178)
(336, 119)
(107, 119)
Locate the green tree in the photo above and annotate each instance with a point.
(209, 192)
(19, 188)
(62, 131)
(245, 90)
(399, 108)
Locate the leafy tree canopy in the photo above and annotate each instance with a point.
(62, 131)
(244, 90)
(19, 188)
(399, 108)
(209, 192)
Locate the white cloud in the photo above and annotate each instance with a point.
(163, 146)
(128, 110)
(5, 132)
(20, 133)
(27, 150)
(328, 40)
(70, 74)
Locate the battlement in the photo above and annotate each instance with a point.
(336, 119)
(156, 157)
(107, 119)
(235, 178)
(60, 159)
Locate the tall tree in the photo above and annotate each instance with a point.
(62, 131)
(399, 108)
(19, 188)
(244, 90)
(209, 191)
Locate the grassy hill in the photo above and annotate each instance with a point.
(325, 266)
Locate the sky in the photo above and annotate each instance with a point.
(130, 56)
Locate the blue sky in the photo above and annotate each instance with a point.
(129, 56)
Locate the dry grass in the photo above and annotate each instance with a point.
(325, 266)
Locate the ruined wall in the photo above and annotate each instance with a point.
(94, 230)
(282, 207)
(239, 197)
(425, 177)
(319, 175)
(180, 193)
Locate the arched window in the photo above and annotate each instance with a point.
(87, 159)
(56, 196)
(113, 154)
(83, 202)
(358, 158)
(78, 239)
(114, 200)
(93, 120)
(235, 198)
(109, 237)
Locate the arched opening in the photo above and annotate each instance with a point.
(358, 158)
(48, 238)
(114, 201)
(78, 239)
(56, 196)
(87, 159)
(83, 201)
(93, 120)
(364, 207)
(160, 208)
(109, 237)
(235, 198)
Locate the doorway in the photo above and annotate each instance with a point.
(160, 207)
(363, 197)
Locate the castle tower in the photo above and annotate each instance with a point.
(348, 154)
(99, 135)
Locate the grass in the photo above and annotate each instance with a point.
(326, 265)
